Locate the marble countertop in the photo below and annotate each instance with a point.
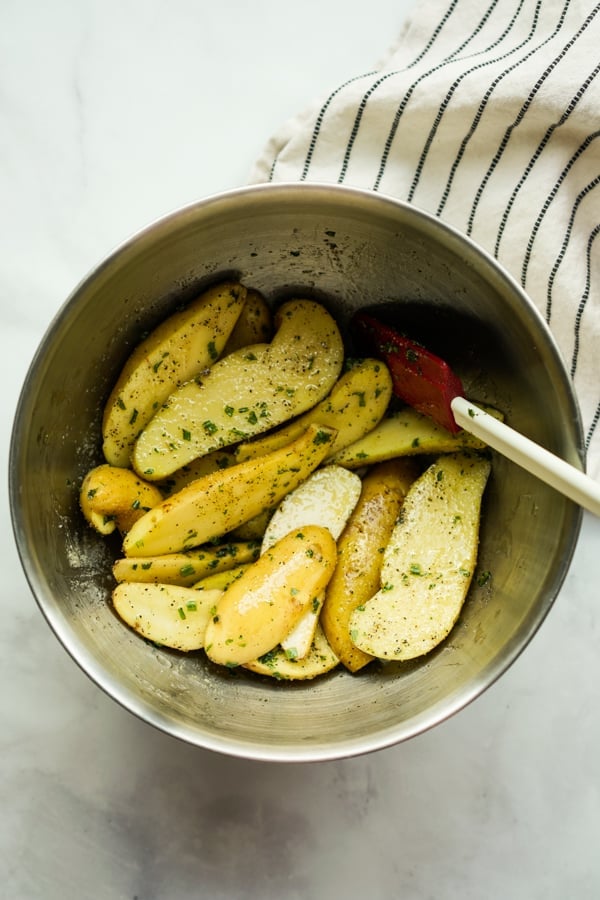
(114, 113)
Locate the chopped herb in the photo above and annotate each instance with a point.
(146, 566)
(483, 578)
(229, 411)
(212, 350)
(209, 427)
(120, 403)
(321, 437)
(191, 605)
(415, 442)
(133, 417)
(181, 612)
(186, 435)
(187, 570)
(415, 569)
(136, 504)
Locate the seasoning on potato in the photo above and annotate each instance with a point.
(428, 563)
(245, 393)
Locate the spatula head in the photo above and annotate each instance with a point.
(419, 378)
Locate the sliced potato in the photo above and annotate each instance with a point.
(428, 564)
(356, 577)
(284, 666)
(177, 350)
(167, 614)
(355, 405)
(245, 393)
(186, 568)
(326, 498)
(112, 497)
(261, 607)
(406, 433)
(254, 326)
(216, 504)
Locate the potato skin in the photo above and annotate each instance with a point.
(356, 577)
(260, 608)
(114, 498)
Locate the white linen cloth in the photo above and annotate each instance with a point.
(488, 116)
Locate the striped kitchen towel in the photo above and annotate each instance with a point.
(486, 114)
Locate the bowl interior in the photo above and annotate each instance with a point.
(350, 249)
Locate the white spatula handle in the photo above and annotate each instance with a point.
(530, 456)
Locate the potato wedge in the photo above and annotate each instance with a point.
(429, 562)
(114, 498)
(254, 325)
(167, 614)
(406, 433)
(245, 393)
(354, 406)
(284, 666)
(188, 568)
(177, 350)
(261, 607)
(356, 577)
(216, 504)
(326, 498)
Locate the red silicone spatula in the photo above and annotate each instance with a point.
(427, 383)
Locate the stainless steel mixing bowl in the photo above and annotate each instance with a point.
(350, 249)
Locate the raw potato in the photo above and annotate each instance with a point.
(326, 498)
(186, 568)
(216, 504)
(406, 433)
(356, 577)
(177, 350)
(428, 564)
(355, 405)
(167, 614)
(280, 665)
(261, 607)
(254, 326)
(111, 497)
(245, 393)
